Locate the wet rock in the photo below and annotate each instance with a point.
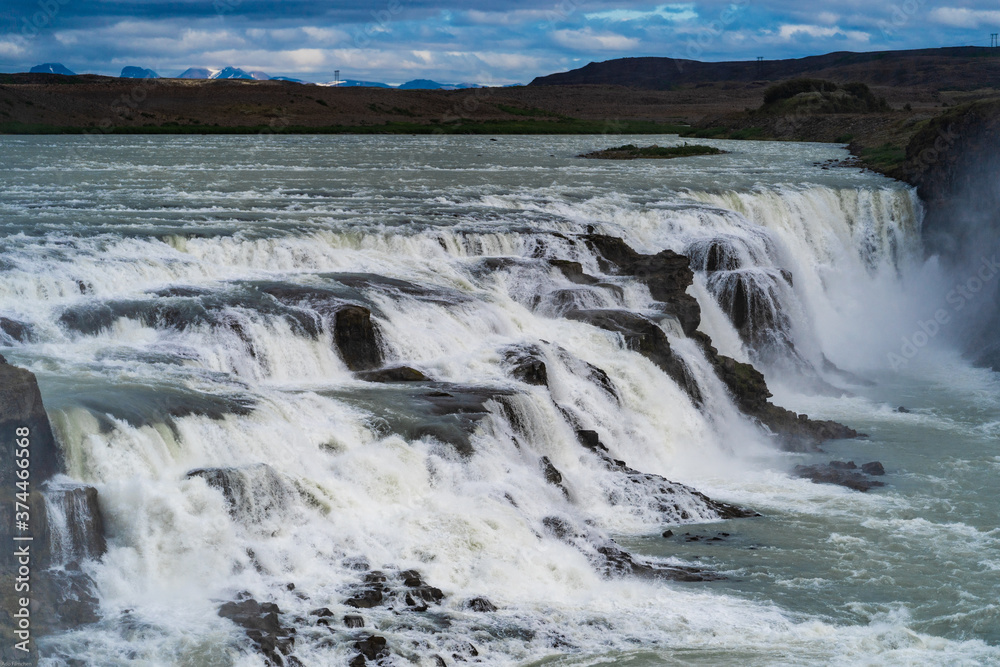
(552, 475)
(21, 408)
(873, 468)
(356, 338)
(480, 604)
(263, 627)
(574, 272)
(668, 533)
(15, 331)
(354, 621)
(749, 391)
(646, 337)
(66, 599)
(253, 493)
(527, 364)
(73, 522)
(840, 473)
(395, 374)
(654, 492)
(371, 595)
(419, 593)
(666, 274)
(400, 590)
(612, 560)
(751, 299)
(321, 612)
(902, 410)
(371, 648)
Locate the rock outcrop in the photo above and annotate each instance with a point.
(356, 338)
(666, 274)
(844, 473)
(262, 623)
(749, 390)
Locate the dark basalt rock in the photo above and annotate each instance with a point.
(354, 621)
(873, 468)
(81, 529)
(750, 299)
(187, 308)
(552, 475)
(902, 410)
(527, 364)
(263, 626)
(15, 331)
(395, 374)
(21, 407)
(400, 590)
(645, 337)
(479, 604)
(355, 337)
(749, 390)
(613, 561)
(253, 493)
(843, 474)
(574, 272)
(371, 648)
(666, 274)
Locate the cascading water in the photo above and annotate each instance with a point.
(486, 475)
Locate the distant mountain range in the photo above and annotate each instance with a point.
(230, 72)
(138, 73)
(52, 68)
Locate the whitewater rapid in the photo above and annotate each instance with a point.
(146, 272)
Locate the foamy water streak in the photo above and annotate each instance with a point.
(234, 450)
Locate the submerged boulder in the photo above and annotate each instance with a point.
(394, 374)
(843, 473)
(654, 492)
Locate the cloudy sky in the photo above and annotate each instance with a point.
(461, 40)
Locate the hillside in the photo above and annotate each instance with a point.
(954, 68)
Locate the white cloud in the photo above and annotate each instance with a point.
(10, 49)
(787, 32)
(587, 39)
(960, 17)
(669, 12)
(513, 17)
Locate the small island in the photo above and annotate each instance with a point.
(633, 152)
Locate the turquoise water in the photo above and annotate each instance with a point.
(904, 574)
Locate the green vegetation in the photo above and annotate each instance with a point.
(526, 126)
(633, 152)
(789, 89)
(818, 96)
(844, 139)
(884, 158)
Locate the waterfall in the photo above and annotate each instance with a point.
(506, 449)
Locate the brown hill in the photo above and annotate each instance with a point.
(954, 68)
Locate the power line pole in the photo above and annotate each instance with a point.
(336, 77)
(760, 66)
(993, 40)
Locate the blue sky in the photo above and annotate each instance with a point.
(461, 40)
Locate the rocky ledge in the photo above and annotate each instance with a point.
(668, 275)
